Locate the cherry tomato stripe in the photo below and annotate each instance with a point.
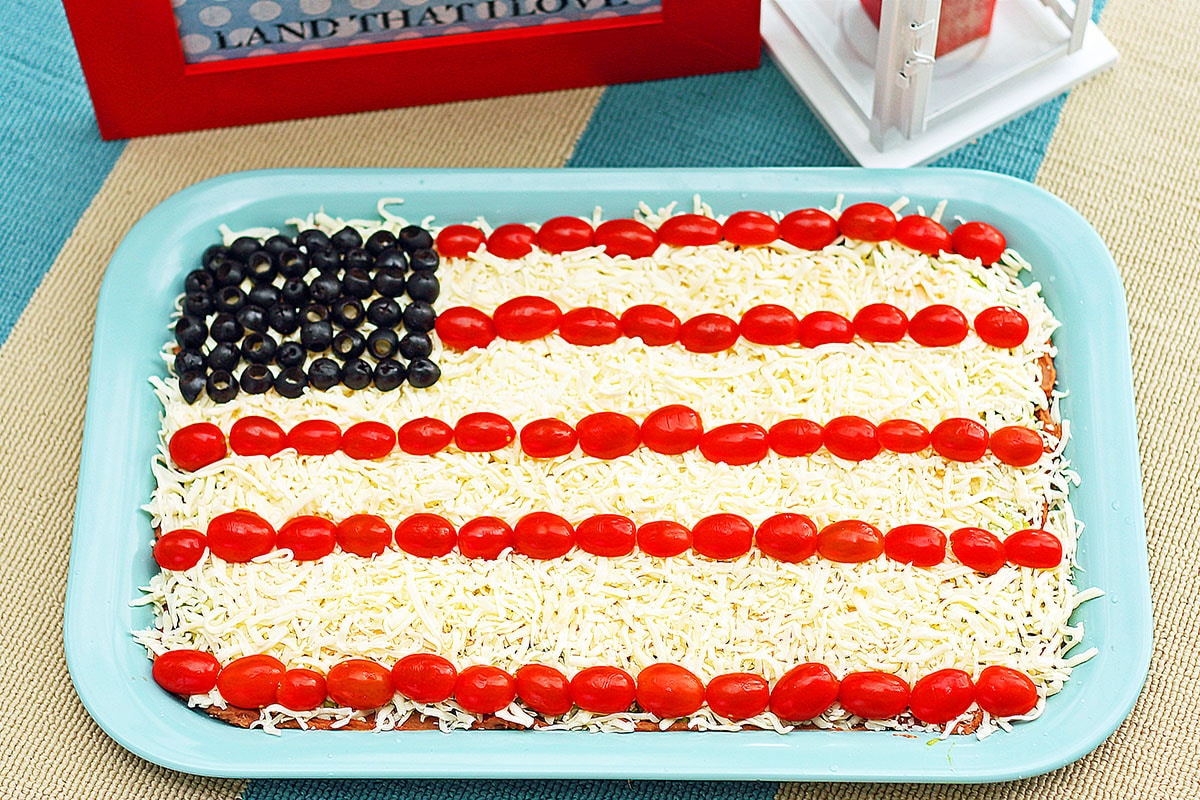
(670, 430)
(529, 317)
(241, 536)
(666, 690)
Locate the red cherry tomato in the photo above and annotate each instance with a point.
(186, 672)
(722, 536)
(736, 444)
(938, 325)
(426, 536)
(548, 438)
(978, 240)
(959, 439)
(197, 445)
(672, 430)
(708, 333)
(459, 241)
(824, 327)
(669, 691)
(314, 437)
(654, 325)
(239, 536)
(564, 234)
(424, 436)
(424, 678)
(180, 549)
(483, 432)
(880, 322)
(849, 541)
(663, 539)
(609, 535)
(301, 689)
(804, 692)
(1005, 692)
(544, 689)
(922, 234)
(256, 436)
(368, 441)
(1033, 547)
(525, 318)
(589, 327)
(809, 228)
(689, 230)
(603, 690)
(941, 696)
(903, 436)
(513, 240)
(626, 237)
(1017, 446)
(770, 324)
(790, 538)
(749, 228)
(359, 683)
(874, 695)
(795, 437)
(867, 222)
(916, 544)
(484, 537)
(1001, 326)
(484, 690)
(978, 549)
(308, 537)
(607, 434)
(543, 536)
(738, 695)
(852, 438)
(364, 535)
(251, 681)
(463, 327)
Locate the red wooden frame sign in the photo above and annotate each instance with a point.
(140, 83)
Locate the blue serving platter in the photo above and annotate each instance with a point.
(111, 558)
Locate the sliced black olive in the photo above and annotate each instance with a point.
(191, 332)
(189, 361)
(229, 274)
(284, 319)
(314, 312)
(292, 263)
(214, 256)
(347, 312)
(257, 379)
(294, 292)
(191, 385)
(260, 267)
(290, 354)
(223, 357)
(290, 382)
(389, 374)
(357, 283)
(229, 298)
(198, 305)
(348, 345)
(221, 386)
(423, 373)
(253, 318)
(357, 258)
(258, 348)
(379, 241)
(357, 374)
(199, 281)
(382, 343)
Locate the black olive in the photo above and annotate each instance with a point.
(324, 260)
(197, 305)
(389, 374)
(242, 247)
(313, 239)
(425, 260)
(189, 361)
(347, 312)
(226, 328)
(214, 255)
(199, 281)
(278, 244)
(416, 345)
(258, 348)
(290, 382)
(346, 239)
(384, 312)
(419, 316)
(357, 374)
(191, 332)
(290, 354)
(357, 259)
(357, 283)
(314, 312)
(224, 356)
(325, 288)
(294, 291)
(263, 295)
(229, 274)
(253, 318)
(221, 386)
(260, 267)
(324, 373)
(423, 286)
(229, 298)
(389, 282)
(423, 373)
(316, 336)
(292, 263)
(379, 241)
(392, 258)
(414, 237)
(348, 344)
(191, 384)
(256, 379)
(284, 319)
(382, 343)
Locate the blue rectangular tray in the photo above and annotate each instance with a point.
(111, 558)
